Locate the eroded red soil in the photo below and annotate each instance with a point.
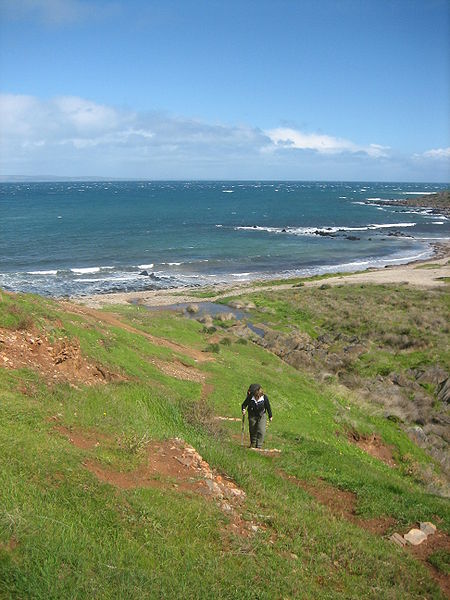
(373, 445)
(85, 440)
(438, 541)
(112, 319)
(59, 360)
(342, 503)
(170, 464)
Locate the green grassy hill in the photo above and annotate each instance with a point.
(98, 499)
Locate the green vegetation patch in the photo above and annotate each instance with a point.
(441, 561)
(64, 533)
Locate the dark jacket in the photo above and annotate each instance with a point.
(252, 408)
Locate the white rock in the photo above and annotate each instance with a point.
(398, 539)
(415, 537)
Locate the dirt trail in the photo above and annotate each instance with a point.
(112, 319)
(342, 504)
(173, 368)
(168, 464)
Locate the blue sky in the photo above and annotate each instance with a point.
(280, 89)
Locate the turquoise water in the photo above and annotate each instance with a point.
(87, 237)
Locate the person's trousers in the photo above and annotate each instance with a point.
(257, 429)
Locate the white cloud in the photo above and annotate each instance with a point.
(75, 129)
(435, 154)
(72, 136)
(284, 137)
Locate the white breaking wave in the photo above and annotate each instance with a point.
(149, 266)
(417, 193)
(318, 230)
(87, 270)
(227, 191)
(384, 225)
(51, 272)
(83, 271)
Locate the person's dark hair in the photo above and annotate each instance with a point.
(254, 387)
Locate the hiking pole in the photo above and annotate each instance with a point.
(242, 431)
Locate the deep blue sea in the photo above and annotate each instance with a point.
(77, 238)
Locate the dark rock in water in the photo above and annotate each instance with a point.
(323, 233)
(255, 226)
(144, 273)
(397, 234)
(352, 238)
(369, 239)
(225, 316)
(283, 230)
(154, 277)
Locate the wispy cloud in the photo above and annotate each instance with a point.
(284, 137)
(69, 135)
(88, 132)
(56, 12)
(435, 154)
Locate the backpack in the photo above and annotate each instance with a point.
(257, 407)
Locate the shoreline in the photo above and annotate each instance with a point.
(410, 273)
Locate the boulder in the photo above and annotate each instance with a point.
(398, 539)
(192, 308)
(428, 528)
(443, 391)
(415, 537)
(225, 316)
(434, 375)
(299, 359)
(236, 304)
(207, 320)
(399, 379)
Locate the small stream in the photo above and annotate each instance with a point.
(211, 309)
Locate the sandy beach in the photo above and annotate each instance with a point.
(428, 273)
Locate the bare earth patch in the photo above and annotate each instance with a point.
(86, 440)
(178, 370)
(173, 464)
(58, 361)
(112, 319)
(438, 541)
(373, 445)
(342, 503)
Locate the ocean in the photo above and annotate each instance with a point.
(80, 238)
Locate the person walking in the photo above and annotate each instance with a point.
(258, 408)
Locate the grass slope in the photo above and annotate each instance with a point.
(64, 534)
